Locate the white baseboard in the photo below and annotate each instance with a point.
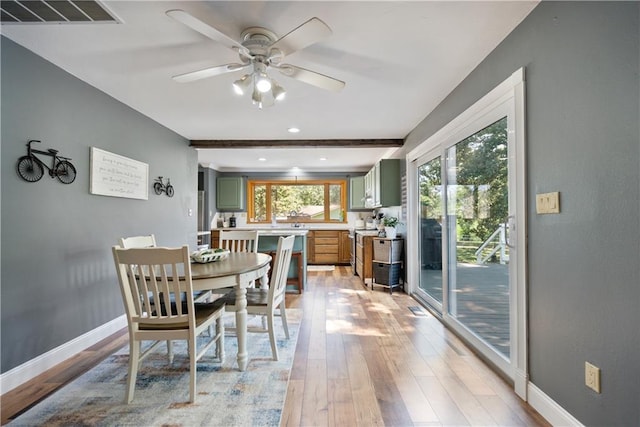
(34, 367)
(520, 384)
(549, 409)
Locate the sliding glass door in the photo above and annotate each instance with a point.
(466, 238)
(430, 217)
(463, 216)
(477, 191)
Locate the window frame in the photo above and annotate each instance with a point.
(253, 183)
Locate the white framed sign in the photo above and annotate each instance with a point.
(118, 176)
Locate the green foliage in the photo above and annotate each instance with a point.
(477, 183)
(288, 198)
(480, 186)
(304, 201)
(260, 203)
(430, 189)
(390, 221)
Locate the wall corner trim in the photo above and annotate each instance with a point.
(34, 367)
(555, 414)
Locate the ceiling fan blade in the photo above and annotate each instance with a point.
(206, 30)
(304, 35)
(311, 77)
(208, 72)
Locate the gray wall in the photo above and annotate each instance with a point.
(582, 62)
(58, 278)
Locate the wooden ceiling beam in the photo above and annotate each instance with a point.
(295, 143)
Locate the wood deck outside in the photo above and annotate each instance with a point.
(480, 300)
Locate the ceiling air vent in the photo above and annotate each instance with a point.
(53, 11)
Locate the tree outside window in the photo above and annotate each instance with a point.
(297, 201)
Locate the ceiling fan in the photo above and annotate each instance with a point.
(260, 50)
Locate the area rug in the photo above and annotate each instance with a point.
(226, 396)
(321, 267)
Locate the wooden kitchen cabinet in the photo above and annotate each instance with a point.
(215, 239)
(328, 247)
(344, 251)
(311, 247)
(364, 257)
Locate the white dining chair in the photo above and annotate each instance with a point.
(265, 302)
(165, 275)
(149, 241)
(238, 241)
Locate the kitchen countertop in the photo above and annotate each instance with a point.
(366, 232)
(277, 231)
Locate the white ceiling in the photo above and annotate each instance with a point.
(398, 59)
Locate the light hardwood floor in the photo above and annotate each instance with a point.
(363, 359)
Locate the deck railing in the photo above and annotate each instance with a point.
(501, 245)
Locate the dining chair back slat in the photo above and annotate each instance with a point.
(138, 241)
(238, 240)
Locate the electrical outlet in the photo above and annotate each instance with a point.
(592, 376)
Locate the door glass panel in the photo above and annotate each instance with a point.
(431, 213)
(478, 258)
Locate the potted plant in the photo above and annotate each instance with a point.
(390, 223)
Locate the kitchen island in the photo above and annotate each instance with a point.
(268, 243)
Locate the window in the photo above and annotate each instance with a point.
(297, 201)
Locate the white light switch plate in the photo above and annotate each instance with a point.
(548, 203)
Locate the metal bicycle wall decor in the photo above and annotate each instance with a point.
(31, 168)
(159, 187)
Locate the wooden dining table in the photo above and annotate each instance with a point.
(237, 270)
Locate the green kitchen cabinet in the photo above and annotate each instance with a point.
(356, 193)
(387, 186)
(382, 184)
(230, 194)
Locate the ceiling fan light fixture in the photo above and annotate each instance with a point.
(278, 92)
(241, 85)
(261, 50)
(263, 82)
(256, 97)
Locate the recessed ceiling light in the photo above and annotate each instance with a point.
(293, 130)
(262, 159)
(323, 158)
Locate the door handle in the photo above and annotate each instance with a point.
(509, 228)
